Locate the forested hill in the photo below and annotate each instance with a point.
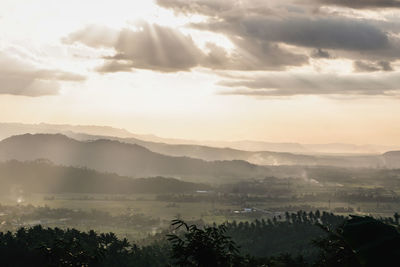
(121, 158)
(44, 177)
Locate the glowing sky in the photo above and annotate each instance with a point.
(312, 71)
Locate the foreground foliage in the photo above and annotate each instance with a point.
(356, 241)
(56, 247)
(360, 241)
(204, 247)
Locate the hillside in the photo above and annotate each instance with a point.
(124, 159)
(44, 177)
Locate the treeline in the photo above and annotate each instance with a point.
(299, 189)
(41, 176)
(351, 196)
(344, 196)
(290, 233)
(356, 241)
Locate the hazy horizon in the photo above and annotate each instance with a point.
(176, 138)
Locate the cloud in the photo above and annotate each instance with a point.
(323, 33)
(291, 84)
(365, 66)
(115, 66)
(164, 49)
(96, 36)
(272, 36)
(319, 53)
(205, 7)
(151, 47)
(251, 55)
(58, 75)
(18, 77)
(27, 86)
(296, 23)
(220, 9)
(362, 4)
(266, 37)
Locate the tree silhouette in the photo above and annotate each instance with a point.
(204, 247)
(360, 241)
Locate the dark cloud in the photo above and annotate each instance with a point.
(362, 4)
(385, 66)
(149, 47)
(290, 84)
(319, 53)
(22, 78)
(296, 23)
(362, 66)
(366, 66)
(324, 33)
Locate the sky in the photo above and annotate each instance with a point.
(308, 71)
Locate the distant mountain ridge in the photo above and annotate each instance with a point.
(254, 157)
(208, 153)
(10, 129)
(121, 158)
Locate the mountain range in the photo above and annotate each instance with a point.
(10, 129)
(255, 157)
(134, 160)
(121, 158)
